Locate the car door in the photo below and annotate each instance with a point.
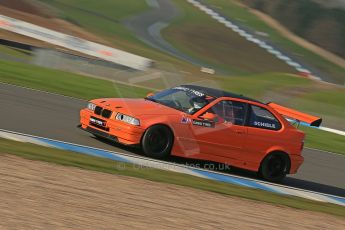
(263, 133)
(224, 136)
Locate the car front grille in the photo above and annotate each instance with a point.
(103, 112)
(106, 113)
(98, 110)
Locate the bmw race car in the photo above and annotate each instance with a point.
(207, 124)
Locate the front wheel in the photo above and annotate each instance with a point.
(274, 167)
(157, 141)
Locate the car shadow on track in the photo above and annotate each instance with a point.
(296, 183)
(313, 186)
(218, 167)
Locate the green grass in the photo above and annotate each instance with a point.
(64, 83)
(34, 152)
(100, 17)
(243, 16)
(330, 104)
(203, 38)
(258, 85)
(318, 139)
(255, 86)
(228, 52)
(332, 101)
(104, 19)
(14, 52)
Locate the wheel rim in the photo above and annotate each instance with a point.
(276, 166)
(158, 141)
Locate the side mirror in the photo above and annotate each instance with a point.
(209, 116)
(150, 94)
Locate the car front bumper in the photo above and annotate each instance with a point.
(296, 162)
(116, 131)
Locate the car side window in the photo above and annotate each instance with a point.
(262, 118)
(229, 112)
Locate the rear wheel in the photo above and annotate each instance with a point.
(157, 141)
(274, 167)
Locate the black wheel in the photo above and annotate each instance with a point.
(274, 167)
(157, 141)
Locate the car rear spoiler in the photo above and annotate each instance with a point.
(296, 115)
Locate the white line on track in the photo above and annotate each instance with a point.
(325, 151)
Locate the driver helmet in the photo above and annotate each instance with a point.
(198, 102)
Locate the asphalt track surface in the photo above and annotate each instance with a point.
(148, 25)
(56, 117)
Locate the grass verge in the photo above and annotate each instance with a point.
(100, 17)
(34, 152)
(243, 16)
(205, 39)
(319, 139)
(105, 19)
(15, 52)
(258, 85)
(64, 83)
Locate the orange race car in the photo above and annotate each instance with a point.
(203, 123)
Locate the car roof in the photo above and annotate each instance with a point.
(219, 93)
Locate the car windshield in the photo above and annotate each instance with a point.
(182, 98)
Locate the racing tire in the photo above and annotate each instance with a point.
(157, 141)
(275, 167)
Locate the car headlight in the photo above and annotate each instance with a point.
(127, 119)
(91, 106)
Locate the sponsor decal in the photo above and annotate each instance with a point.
(207, 124)
(186, 120)
(4, 23)
(193, 91)
(264, 124)
(106, 52)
